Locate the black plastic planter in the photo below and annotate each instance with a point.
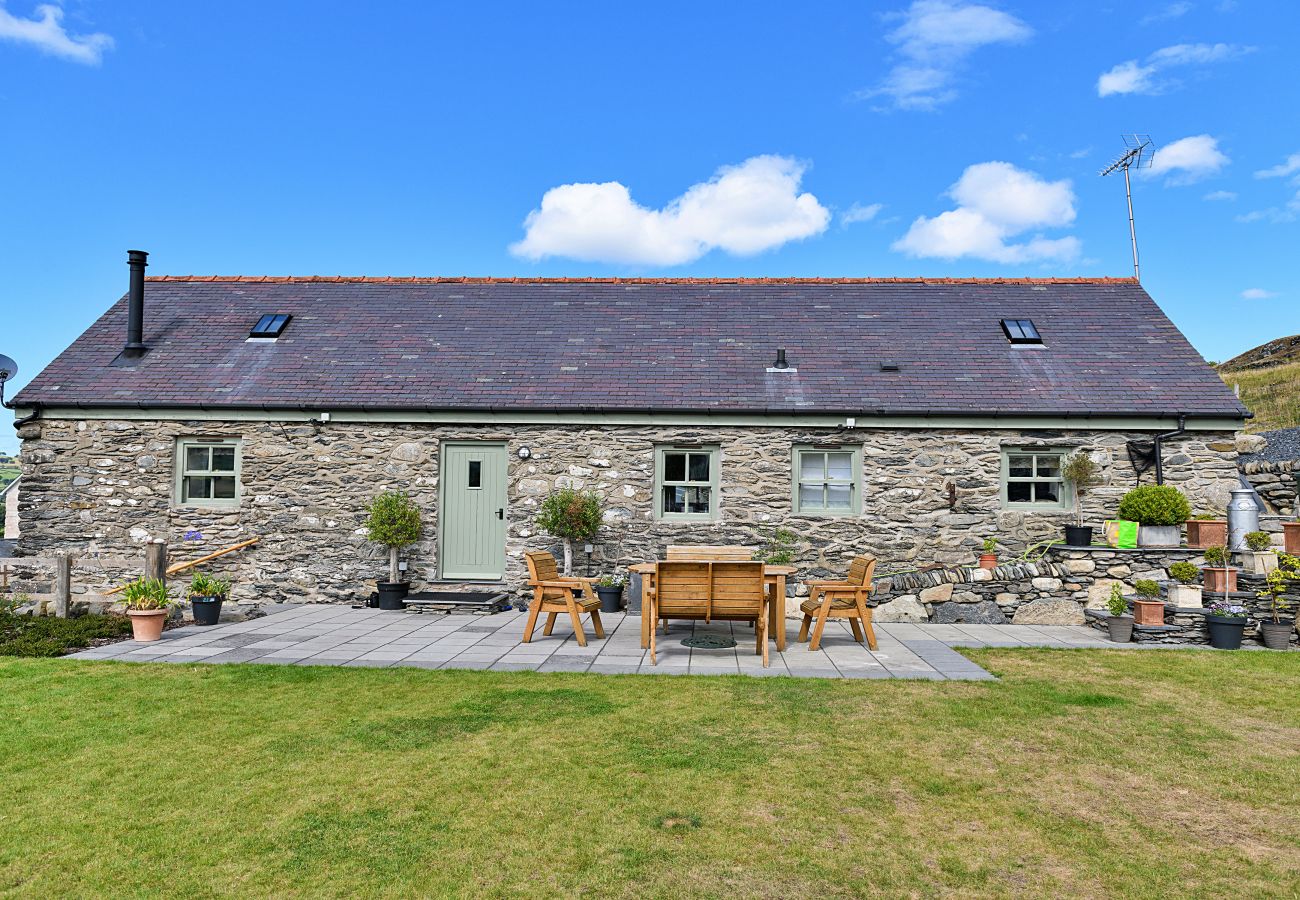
(392, 594)
(1226, 631)
(1078, 535)
(611, 599)
(1276, 636)
(207, 610)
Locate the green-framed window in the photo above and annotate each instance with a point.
(1031, 479)
(207, 472)
(827, 481)
(686, 483)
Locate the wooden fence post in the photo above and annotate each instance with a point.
(155, 560)
(62, 584)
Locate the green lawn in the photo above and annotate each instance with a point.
(1092, 773)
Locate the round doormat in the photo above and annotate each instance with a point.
(709, 642)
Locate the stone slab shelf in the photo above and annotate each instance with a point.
(1101, 548)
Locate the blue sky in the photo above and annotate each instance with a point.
(927, 138)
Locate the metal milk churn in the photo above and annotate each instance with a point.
(1243, 517)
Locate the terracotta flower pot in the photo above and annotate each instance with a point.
(1202, 533)
(147, 624)
(988, 560)
(1219, 580)
(1148, 612)
(1291, 537)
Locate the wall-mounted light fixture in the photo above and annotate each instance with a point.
(525, 453)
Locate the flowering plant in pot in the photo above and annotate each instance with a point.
(1205, 530)
(610, 590)
(147, 601)
(1183, 592)
(393, 521)
(989, 556)
(1259, 557)
(1148, 608)
(1220, 578)
(1160, 510)
(1227, 623)
(206, 594)
(1120, 624)
(570, 515)
(1277, 633)
(1081, 472)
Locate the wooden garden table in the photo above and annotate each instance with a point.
(775, 578)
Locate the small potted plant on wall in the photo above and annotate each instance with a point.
(393, 521)
(1081, 472)
(1120, 624)
(610, 591)
(1259, 557)
(1148, 608)
(1276, 634)
(206, 595)
(989, 556)
(1204, 530)
(1160, 510)
(573, 516)
(1183, 592)
(1227, 623)
(1220, 578)
(147, 601)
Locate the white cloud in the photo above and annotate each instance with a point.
(1257, 294)
(933, 40)
(997, 202)
(743, 210)
(45, 32)
(1134, 77)
(1221, 195)
(1167, 13)
(860, 213)
(1187, 160)
(1290, 167)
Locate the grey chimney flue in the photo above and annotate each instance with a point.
(137, 260)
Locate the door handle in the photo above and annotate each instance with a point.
(501, 514)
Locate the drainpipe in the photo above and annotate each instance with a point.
(1159, 439)
(36, 412)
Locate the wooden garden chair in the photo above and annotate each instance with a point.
(845, 599)
(554, 593)
(706, 590)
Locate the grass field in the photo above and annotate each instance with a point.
(1272, 394)
(1092, 773)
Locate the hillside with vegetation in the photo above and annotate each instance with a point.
(8, 469)
(1268, 380)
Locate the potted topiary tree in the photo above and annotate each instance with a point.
(1220, 578)
(393, 521)
(1226, 622)
(146, 601)
(1204, 530)
(989, 558)
(206, 595)
(1148, 608)
(1120, 624)
(1160, 510)
(1259, 557)
(1081, 472)
(1277, 633)
(1182, 592)
(570, 515)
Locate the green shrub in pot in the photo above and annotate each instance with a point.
(1277, 633)
(1120, 623)
(1146, 588)
(1259, 541)
(1183, 572)
(1184, 593)
(1160, 510)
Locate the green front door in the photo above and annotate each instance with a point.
(473, 521)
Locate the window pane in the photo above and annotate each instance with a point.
(674, 467)
(196, 488)
(1049, 466)
(699, 467)
(814, 467)
(223, 459)
(1019, 492)
(1046, 491)
(475, 473)
(839, 466)
(223, 488)
(1020, 466)
(697, 500)
(674, 499)
(196, 459)
(811, 496)
(838, 496)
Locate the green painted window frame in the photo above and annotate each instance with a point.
(714, 452)
(1065, 497)
(854, 482)
(181, 473)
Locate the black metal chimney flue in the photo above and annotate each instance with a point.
(780, 360)
(137, 260)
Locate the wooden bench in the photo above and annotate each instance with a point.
(845, 599)
(554, 593)
(729, 591)
(707, 552)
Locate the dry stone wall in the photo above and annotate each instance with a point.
(103, 487)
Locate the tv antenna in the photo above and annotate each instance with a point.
(1137, 156)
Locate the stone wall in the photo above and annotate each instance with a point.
(104, 487)
(1275, 484)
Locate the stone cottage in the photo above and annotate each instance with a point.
(909, 418)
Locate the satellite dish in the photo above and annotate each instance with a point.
(8, 368)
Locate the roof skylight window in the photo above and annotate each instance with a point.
(1021, 331)
(270, 325)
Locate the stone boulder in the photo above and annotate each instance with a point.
(1050, 612)
(986, 612)
(902, 609)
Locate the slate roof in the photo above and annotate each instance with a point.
(679, 345)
